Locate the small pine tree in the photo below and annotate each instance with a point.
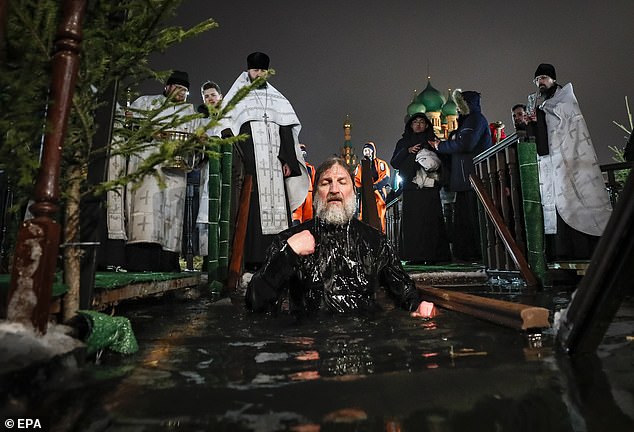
(118, 38)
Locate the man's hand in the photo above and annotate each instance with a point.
(302, 243)
(286, 170)
(424, 310)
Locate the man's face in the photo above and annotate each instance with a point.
(211, 96)
(419, 125)
(519, 116)
(367, 152)
(544, 82)
(177, 92)
(257, 73)
(334, 199)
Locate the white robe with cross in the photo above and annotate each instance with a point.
(570, 179)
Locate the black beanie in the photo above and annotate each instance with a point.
(257, 60)
(180, 78)
(546, 69)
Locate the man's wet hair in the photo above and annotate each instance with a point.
(518, 106)
(326, 165)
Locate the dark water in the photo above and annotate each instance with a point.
(210, 366)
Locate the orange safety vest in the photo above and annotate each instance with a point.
(305, 211)
(380, 187)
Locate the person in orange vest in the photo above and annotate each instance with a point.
(380, 178)
(305, 211)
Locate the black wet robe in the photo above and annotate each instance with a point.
(350, 263)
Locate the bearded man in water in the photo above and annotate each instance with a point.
(334, 261)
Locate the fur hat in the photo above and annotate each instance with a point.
(179, 78)
(546, 69)
(258, 60)
(463, 107)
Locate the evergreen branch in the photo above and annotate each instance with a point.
(622, 127)
(33, 30)
(629, 114)
(156, 19)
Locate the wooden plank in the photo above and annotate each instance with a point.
(579, 267)
(107, 297)
(509, 314)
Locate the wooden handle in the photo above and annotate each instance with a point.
(237, 250)
(510, 314)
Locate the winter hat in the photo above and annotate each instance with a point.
(546, 69)
(179, 78)
(258, 60)
(371, 146)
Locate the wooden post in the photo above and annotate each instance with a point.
(214, 194)
(225, 209)
(503, 231)
(510, 314)
(38, 239)
(237, 251)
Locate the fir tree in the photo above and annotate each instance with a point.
(118, 38)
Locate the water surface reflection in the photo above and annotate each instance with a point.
(212, 366)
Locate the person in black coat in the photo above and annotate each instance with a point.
(471, 138)
(423, 236)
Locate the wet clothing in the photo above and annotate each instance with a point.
(350, 263)
(423, 236)
(380, 179)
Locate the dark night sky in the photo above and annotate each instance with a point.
(365, 58)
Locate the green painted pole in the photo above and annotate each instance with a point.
(529, 180)
(214, 214)
(225, 210)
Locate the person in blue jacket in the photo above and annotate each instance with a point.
(470, 139)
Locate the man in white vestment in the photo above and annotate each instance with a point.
(212, 97)
(575, 201)
(152, 224)
(271, 155)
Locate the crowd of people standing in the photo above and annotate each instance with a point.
(283, 181)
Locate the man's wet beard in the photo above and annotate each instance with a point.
(335, 214)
